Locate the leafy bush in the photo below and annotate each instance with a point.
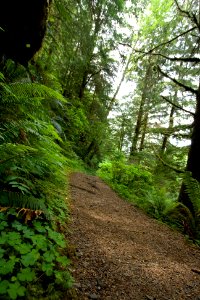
(156, 202)
(33, 194)
(32, 261)
(130, 181)
(135, 183)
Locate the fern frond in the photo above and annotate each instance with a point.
(2, 76)
(193, 190)
(22, 92)
(16, 200)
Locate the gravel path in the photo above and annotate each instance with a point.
(122, 254)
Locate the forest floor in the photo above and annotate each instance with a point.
(123, 254)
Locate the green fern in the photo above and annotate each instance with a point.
(31, 162)
(17, 200)
(180, 214)
(23, 92)
(193, 190)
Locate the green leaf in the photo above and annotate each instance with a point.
(39, 227)
(23, 248)
(3, 224)
(26, 275)
(28, 233)
(63, 260)
(57, 237)
(3, 238)
(14, 238)
(3, 286)
(15, 290)
(30, 258)
(40, 241)
(18, 226)
(3, 216)
(49, 256)
(47, 268)
(6, 266)
(13, 278)
(2, 251)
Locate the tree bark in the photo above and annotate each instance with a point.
(143, 132)
(193, 162)
(138, 126)
(166, 136)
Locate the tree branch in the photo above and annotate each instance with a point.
(184, 59)
(91, 75)
(187, 14)
(185, 87)
(167, 165)
(168, 42)
(178, 106)
(125, 44)
(181, 10)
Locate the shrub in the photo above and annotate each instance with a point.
(129, 180)
(32, 259)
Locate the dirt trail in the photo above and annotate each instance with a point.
(122, 254)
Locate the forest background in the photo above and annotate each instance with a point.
(60, 112)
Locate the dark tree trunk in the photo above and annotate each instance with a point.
(83, 85)
(138, 125)
(193, 163)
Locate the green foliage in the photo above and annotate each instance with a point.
(179, 215)
(147, 191)
(33, 194)
(130, 181)
(188, 220)
(31, 163)
(193, 190)
(156, 202)
(32, 258)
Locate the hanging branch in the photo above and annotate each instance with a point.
(178, 106)
(167, 165)
(186, 88)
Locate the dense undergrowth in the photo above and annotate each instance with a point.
(34, 164)
(156, 195)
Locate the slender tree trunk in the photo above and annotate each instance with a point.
(166, 136)
(138, 125)
(113, 99)
(143, 132)
(121, 136)
(146, 88)
(83, 85)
